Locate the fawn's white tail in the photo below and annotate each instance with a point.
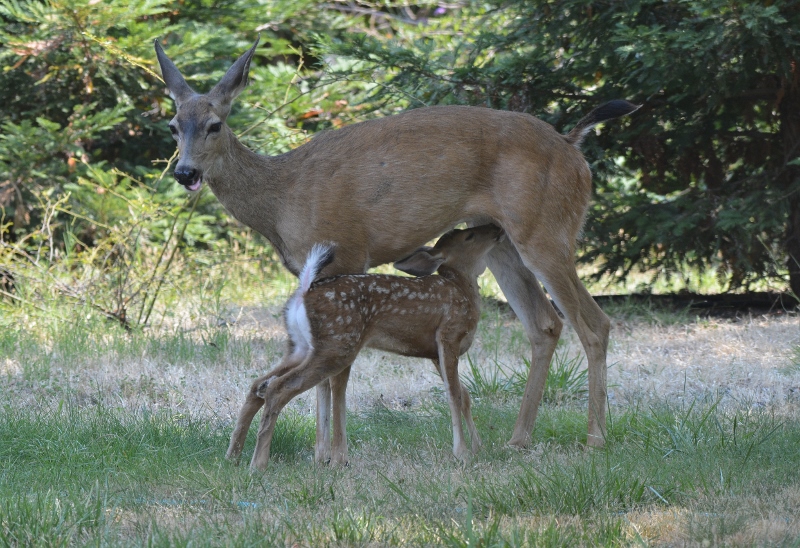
(296, 316)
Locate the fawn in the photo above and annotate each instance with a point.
(330, 320)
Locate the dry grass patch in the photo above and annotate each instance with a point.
(129, 430)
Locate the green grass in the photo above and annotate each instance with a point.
(648, 312)
(125, 464)
(95, 474)
(566, 380)
(90, 338)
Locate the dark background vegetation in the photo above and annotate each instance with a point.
(705, 176)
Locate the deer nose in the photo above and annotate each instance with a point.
(185, 176)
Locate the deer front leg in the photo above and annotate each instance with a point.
(348, 260)
(448, 368)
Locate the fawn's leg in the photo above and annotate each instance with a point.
(466, 411)
(338, 390)
(448, 367)
(252, 404)
(279, 391)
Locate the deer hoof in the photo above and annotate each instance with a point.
(519, 443)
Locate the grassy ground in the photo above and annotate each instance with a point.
(113, 438)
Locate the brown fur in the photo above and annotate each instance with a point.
(432, 317)
(381, 188)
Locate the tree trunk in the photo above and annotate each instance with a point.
(790, 132)
(793, 244)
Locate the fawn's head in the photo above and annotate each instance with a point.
(461, 250)
(199, 125)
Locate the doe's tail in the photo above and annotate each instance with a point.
(612, 109)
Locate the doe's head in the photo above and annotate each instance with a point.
(462, 250)
(199, 125)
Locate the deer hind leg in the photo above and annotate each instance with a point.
(448, 369)
(252, 404)
(348, 261)
(322, 444)
(279, 391)
(338, 391)
(542, 326)
(556, 269)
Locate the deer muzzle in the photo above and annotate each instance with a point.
(190, 178)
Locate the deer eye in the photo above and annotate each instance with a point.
(215, 127)
(173, 129)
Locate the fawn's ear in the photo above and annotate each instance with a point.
(423, 262)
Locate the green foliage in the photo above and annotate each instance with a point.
(68, 93)
(704, 175)
(87, 211)
(566, 380)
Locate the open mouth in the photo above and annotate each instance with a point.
(195, 184)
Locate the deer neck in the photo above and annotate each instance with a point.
(251, 186)
(466, 283)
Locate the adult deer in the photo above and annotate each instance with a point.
(381, 188)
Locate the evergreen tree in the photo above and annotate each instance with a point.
(706, 174)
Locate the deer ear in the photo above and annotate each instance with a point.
(423, 262)
(179, 90)
(235, 80)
